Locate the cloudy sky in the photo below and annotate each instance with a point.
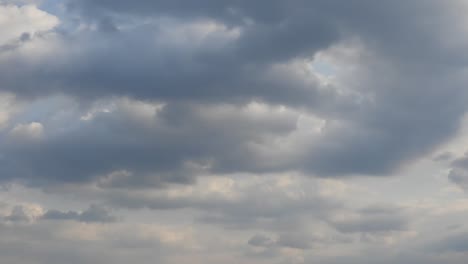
(233, 131)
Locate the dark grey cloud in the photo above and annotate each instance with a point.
(295, 240)
(285, 240)
(155, 148)
(148, 63)
(16, 43)
(459, 177)
(244, 59)
(373, 220)
(458, 173)
(94, 213)
(261, 241)
(397, 25)
(461, 162)
(442, 157)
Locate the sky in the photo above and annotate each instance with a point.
(233, 131)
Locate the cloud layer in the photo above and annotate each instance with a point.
(233, 131)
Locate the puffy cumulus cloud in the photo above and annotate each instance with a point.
(122, 143)
(187, 62)
(21, 22)
(132, 143)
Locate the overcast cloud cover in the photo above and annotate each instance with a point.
(233, 131)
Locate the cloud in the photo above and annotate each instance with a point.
(214, 128)
(209, 57)
(260, 241)
(31, 131)
(7, 109)
(23, 21)
(93, 214)
(286, 240)
(141, 144)
(374, 224)
(23, 213)
(273, 203)
(58, 241)
(453, 243)
(458, 174)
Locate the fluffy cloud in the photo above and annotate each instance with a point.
(20, 22)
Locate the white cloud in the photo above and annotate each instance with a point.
(26, 19)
